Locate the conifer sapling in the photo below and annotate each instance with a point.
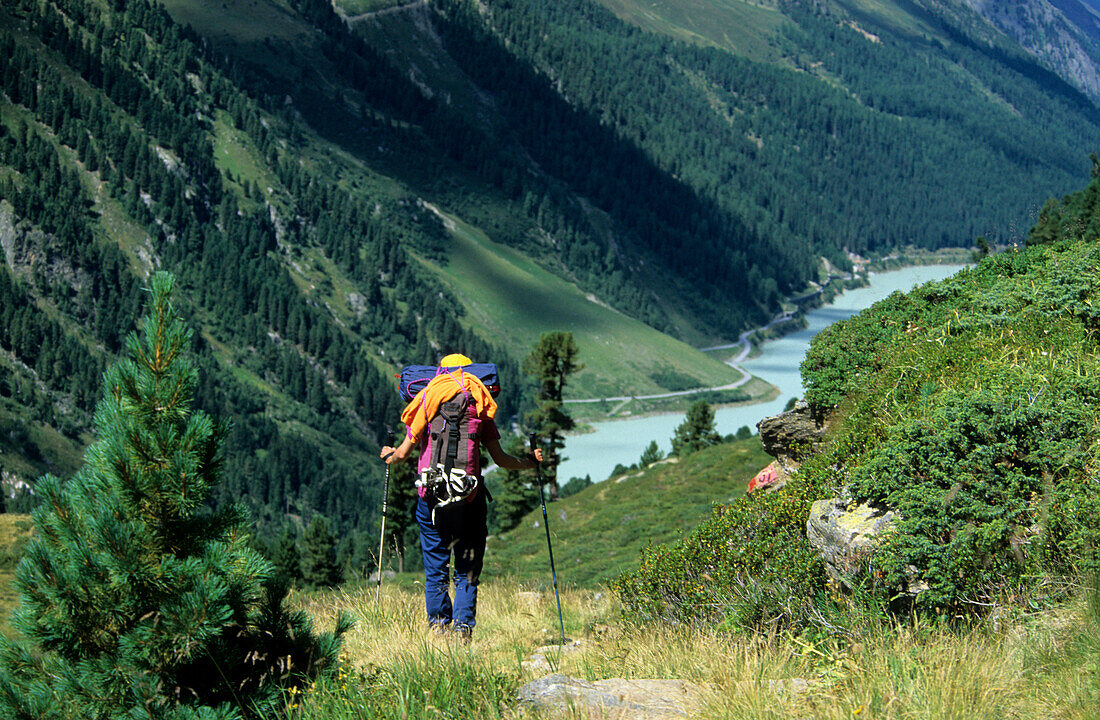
(137, 601)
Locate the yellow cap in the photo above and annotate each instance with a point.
(455, 360)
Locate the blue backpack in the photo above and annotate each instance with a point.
(415, 378)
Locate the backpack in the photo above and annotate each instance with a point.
(452, 434)
(451, 440)
(414, 378)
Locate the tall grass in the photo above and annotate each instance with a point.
(1040, 665)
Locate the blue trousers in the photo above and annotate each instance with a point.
(459, 531)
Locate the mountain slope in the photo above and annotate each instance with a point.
(327, 190)
(816, 155)
(123, 149)
(308, 276)
(1063, 34)
(600, 532)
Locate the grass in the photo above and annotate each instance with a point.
(857, 665)
(358, 7)
(1040, 665)
(237, 157)
(599, 532)
(245, 21)
(755, 391)
(744, 28)
(515, 300)
(15, 530)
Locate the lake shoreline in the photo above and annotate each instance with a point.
(622, 440)
(782, 325)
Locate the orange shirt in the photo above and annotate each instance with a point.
(422, 408)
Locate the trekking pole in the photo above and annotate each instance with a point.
(546, 524)
(382, 535)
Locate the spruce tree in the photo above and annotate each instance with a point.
(286, 558)
(551, 363)
(136, 600)
(650, 455)
(319, 566)
(697, 431)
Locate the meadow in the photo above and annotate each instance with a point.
(1041, 664)
(599, 532)
(515, 300)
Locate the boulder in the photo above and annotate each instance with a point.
(845, 535)
(794, 434)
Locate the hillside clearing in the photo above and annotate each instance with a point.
(516, 300)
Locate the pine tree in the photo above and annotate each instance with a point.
(319, 566)
(136, 601)
(697, 431)
(286, 558)
(650, 455)
(552, 361)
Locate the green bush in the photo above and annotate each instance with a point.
(979, 476)
(748, 565)
(977, 419)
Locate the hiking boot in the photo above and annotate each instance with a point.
(464, 635)
(438, 630)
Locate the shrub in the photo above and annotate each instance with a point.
(971, 407)
(748, 565)
(136, 600)
(976, 418)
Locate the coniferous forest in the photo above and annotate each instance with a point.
(288, 184)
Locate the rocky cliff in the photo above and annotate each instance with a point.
(1063, 34)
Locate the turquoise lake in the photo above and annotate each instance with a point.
(622, 441)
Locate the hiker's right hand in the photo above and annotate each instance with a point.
(391, 455)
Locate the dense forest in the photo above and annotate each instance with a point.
(813, 158)
(108, 114)
(289, 186)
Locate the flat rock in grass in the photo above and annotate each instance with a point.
(614, 698)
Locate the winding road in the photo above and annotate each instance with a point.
(734, 362)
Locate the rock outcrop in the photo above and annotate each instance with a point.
(845, 535)
(792, 435)
(789, 437)
(27, 251)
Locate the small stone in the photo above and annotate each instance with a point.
(536, 664)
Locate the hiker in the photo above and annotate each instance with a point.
(451, 509)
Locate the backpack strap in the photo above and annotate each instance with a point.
(453, 438)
